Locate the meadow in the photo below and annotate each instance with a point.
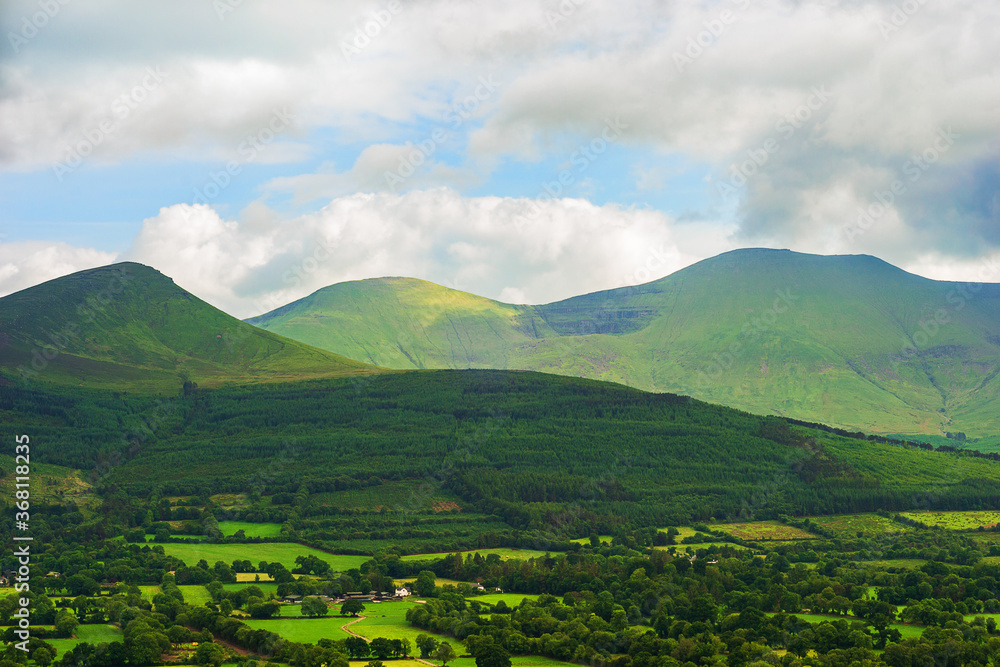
(758, 531)
(859, 525)
(250, 529)
(281, 552)
(93, 634)
(956, 520)
(504, 554)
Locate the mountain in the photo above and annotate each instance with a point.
(127, 325)
(846, 340)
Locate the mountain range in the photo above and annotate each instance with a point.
(850, 341)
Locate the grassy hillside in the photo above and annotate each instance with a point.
(846, 340)
(127, 325)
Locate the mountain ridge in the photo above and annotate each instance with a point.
(817, 335)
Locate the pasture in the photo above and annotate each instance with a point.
(763, 531)
(859, 525)
(307, 630)
(92, 634)
(511, 599)
(956, 520)
(250, 529)
(503, 552)
(281, 552)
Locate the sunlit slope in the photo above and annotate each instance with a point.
(128, 325)
(408, 323)
(848, 340)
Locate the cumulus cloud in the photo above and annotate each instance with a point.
(840, 95)
(25, 264)
(510, 249)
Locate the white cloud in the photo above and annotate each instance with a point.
(27, 263)
(484, 245)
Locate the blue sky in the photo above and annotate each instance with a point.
(677, 130)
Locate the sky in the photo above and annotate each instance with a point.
(526, 151)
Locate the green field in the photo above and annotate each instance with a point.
(387, 619)
(504, 553)
(92, 634)
(269, 587)
(605, 539)
(149, 592)
(250, 529)
(303, 630)
(692, 548)
(195, 595)
(282, 552)
(512, 599)
(865, 525)
(762, 531)
(956, 520)
(906, 563)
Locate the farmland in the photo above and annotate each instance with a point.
(759, 531)
(250, 529)
(281, 552)
(859, 525)
(504, 554)
(956, 520)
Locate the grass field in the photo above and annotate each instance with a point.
(92, 634)
(149, 592)
(682, 532)
(439, 581)
(282, 552)
(906, 563)
(691, 548)
(956, 520)
(387, 619)
(250, 529)
(251, 577)
(512, 599)
(267, 586)
(865, 525)
(303, 630)
(605, 539)
(195, 595)
(763, 531)
(504, 554)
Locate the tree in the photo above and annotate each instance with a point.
(445, 653)
(352, 607)
(43, 656)
(381, 647)
(426, 644)
(210, 654)
(313, 606)
(357, 647)
(66, 623)
(424, 585)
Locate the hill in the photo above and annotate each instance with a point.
(127, 325)
(474, 458)
(847, 340)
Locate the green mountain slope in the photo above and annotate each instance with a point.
(127, 325)
(847, 340)
(512, 451)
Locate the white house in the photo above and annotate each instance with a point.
(402, 592)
